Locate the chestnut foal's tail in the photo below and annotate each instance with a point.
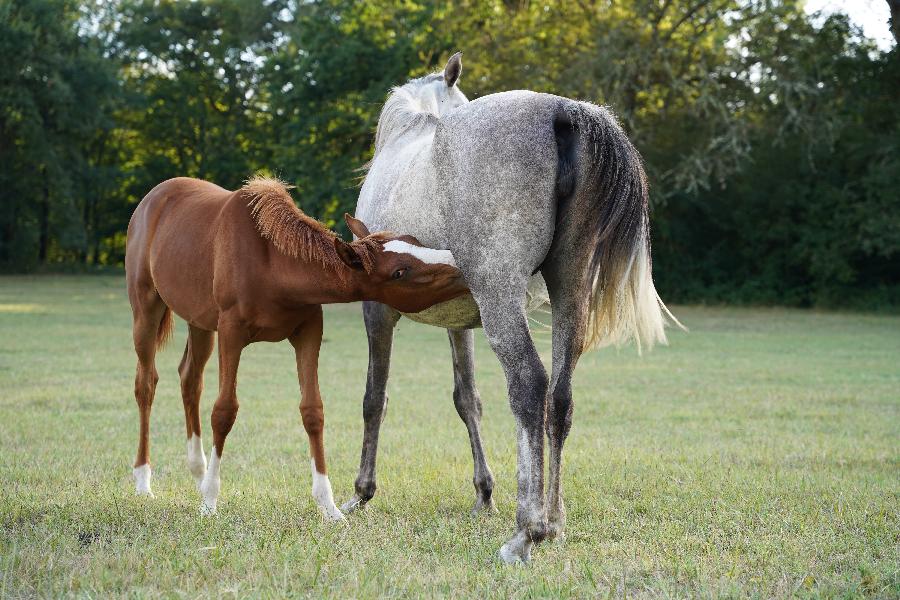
(164, 332)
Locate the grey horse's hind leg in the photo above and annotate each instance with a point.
(468, 405)
(569, 321)
(380, 321)
(507, 330)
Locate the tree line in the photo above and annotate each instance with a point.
(770, 136)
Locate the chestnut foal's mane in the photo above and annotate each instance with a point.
(292, 231)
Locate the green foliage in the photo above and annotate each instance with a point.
(813, 218)
(770, 137)
(54, 90)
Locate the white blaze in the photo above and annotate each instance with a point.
(321, 491)
(426, 255)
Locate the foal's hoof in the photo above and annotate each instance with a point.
(353, 504)
(207, 510)
(333, 514)
(517, 550)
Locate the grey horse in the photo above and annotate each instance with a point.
(518, 185)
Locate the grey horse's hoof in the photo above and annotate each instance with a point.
(517, 550)
(484, 507)
(555, 531)
(557, 537)
(353, 504)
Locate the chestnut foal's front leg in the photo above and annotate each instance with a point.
(232, 339)
(306, 342)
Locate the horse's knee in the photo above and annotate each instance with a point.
(373, 406)
(145, 384)
(223, 417)
(467, 401)
(313, 419)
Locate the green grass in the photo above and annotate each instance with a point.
(758, 455)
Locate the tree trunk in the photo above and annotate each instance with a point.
(894, 5)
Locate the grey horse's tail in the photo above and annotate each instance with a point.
(604, 203)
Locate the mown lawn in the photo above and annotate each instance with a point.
(758, 455)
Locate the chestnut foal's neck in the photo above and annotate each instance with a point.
(315, 283)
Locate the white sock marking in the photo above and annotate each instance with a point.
(321, 491)
(142, 477)
(426, 255)
(196, 459)
(209, 488)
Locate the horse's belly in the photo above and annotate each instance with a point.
(463, 313)
(459, 313)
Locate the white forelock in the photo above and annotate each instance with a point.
(426, 255)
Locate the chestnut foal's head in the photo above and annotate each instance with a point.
(405, 275)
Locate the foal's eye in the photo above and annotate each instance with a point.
(399, 273)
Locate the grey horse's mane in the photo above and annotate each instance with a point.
(406, 111)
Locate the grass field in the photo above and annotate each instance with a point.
(758, 455)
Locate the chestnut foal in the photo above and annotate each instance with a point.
(252, 266)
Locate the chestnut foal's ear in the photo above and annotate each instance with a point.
(453, 69)
(347, 254)
(357, 227)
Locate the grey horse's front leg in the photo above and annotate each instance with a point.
(468, 405)
(507, 330)
(380, 321)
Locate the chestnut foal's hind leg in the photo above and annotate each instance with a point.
(148, 311)
(232, 339)
(306, 342)
(196, 353)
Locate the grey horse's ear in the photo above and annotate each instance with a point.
(453, 69)
(357, 227)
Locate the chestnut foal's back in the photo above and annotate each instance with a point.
(250, 265)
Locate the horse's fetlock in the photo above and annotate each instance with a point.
(538, 531)
(365, 490)
(484, 485)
